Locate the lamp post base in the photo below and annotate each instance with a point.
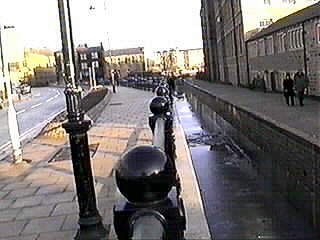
(93, 232)
(17, 156)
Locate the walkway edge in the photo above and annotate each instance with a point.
(197, 225)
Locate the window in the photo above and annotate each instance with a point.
(252, 49)
(261, 48)
(281, 42)
(94, 55)
(269, 45)
(84, 66)
(295, 38)
(83, 56)
(95, 64)
(318, 33)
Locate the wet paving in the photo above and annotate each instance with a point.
(237, 203)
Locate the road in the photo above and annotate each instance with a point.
(238, 205)
(33, 112)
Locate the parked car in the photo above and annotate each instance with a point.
(25, 88)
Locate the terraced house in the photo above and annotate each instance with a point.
(290, 44)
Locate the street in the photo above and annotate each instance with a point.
(33, 112)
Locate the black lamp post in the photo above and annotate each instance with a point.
(90, 221)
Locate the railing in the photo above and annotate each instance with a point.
(152, 207)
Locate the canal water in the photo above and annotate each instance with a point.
(237, 203)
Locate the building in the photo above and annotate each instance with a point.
(90, 63)
(226, 23)
(37, 59)
(125, 60)
(194, 59)
(179, 61)
(289, 44)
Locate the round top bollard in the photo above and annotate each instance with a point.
(162, 91)
(159, 105)
(144, 175)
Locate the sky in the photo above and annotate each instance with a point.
(153, 24)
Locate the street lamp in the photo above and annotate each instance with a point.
(12, 114)
(90, 221)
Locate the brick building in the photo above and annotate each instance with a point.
(290, 44)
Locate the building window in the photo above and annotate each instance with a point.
(281, 42)
(295, 38)
(94, 55)
(269, 45)
(84, 66)
(252, 49)
(318, 33)
(83, 56)
(95, 64)
(261, 48)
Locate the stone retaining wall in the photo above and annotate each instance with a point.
(286, 161)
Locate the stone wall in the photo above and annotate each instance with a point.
(288, 163)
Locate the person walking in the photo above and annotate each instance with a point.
(288, 91)
(300, 84)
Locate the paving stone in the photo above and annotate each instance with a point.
(43, 182)
(5, 203)
(57, 235)
(27, 202)
(35, 212)
(65, 208)
(71, 222)
(10, 229)
(8, 214)
(42, 225)
(3, 194)
(59, 198)
(21, 193)
(51, 189)
(24, 237)
(38, 152)
(16, 185)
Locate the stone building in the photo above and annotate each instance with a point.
(128, 60)
(225, 23)
(290, 44)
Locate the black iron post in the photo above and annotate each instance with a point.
(90, 221)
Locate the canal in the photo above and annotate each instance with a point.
(238, 204)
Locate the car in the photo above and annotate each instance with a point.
(25, 89)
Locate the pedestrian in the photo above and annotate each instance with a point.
(172, 87)
(288, 90)
(113, 81)
(300, 85)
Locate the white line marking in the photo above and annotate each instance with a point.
(21, 111)
(50, 99)
(37, 105)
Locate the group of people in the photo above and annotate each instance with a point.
(297, 85)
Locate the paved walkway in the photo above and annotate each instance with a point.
(303, 121)
(38, 200)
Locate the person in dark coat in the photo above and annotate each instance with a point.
(172, 87)
(300, 84)
(288, 91)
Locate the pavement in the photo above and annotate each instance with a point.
(38, 199)
(302, 121)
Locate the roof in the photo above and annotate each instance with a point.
(303, 15)
(125, 51)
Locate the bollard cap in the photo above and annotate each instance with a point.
(144, 175)
(162, 91)
(159, 105)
